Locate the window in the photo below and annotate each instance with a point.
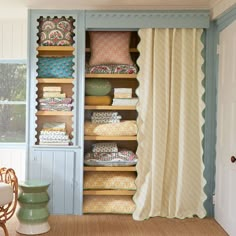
(12, 101)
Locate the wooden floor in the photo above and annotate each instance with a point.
(122, 225)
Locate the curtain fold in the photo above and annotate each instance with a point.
(170, 169)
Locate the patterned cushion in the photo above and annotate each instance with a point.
(123, 128)
(105, 147)
(97, 87)
(55, 67)
(108, 204)
(110, 48)
(98, 100)
(121, 158)
(110, 180)
(56, 31)
(112, 69)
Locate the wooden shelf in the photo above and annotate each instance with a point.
(58, 51)
(55, 80)
(111, 76)
(55, 48)
(130, 50)
(109, 192)
(87, 107)
(54, 113)
(109, 168)
(128, 138)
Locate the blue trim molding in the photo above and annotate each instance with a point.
(147, 19)
(226, 18)
(210, 118)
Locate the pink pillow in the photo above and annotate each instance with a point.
(110, 48)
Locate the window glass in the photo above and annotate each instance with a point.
(13, 82)
(12, 102)
(12, 123)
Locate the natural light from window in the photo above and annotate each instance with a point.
(12, 101)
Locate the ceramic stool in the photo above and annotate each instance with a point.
(33, 212)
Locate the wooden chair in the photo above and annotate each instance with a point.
(8, 196)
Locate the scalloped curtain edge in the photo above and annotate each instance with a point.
(147, 191)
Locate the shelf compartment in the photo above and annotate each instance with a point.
(59, 51)
(87, 107)
(107, 76)
(128, 138)
(109, 192)
(109, 168)
(54, 113)
(55, 80)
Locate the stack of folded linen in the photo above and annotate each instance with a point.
(122, 92)
(54, 100)
(55, 104)
(123, 97)
(54, 134)
(105, 117)
(53, 92)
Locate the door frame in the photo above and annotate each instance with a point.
(210, 98)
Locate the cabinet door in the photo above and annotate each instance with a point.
(56, 167)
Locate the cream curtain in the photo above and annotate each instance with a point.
(170, 169)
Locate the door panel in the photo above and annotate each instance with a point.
(225, 206)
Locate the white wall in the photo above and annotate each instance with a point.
(10, 11)
(221, 6)
(15, 158)
(13, 38)
(13, 45)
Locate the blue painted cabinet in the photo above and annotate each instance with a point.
(57, 162)
(57, 168)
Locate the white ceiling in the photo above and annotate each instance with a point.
(14, 7)
(108, 4)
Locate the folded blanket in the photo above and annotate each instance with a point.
(109, 180)
(105, 147)
(98, 100)
(124, 128)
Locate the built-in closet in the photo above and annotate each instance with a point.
(70, 144)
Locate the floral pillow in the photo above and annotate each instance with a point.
(56, 31)
(110, 47)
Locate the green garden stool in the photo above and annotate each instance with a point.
(33, 211)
